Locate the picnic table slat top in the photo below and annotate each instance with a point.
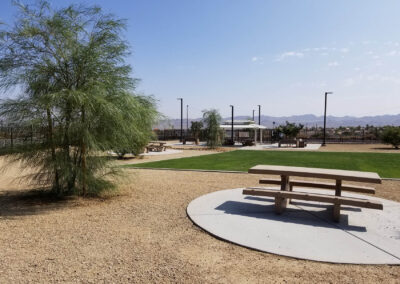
(357, 176)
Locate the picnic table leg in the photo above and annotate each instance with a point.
(290, 189)
(280, 202)
(336, 206)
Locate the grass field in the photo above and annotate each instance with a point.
(387, 165)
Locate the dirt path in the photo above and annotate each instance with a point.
(143, 235)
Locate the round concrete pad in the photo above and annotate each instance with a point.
(305, 230)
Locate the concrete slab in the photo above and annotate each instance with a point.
(305, 230)
(309, 147)
(166, 152)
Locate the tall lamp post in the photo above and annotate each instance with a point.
(259, 121)
(187, 118)
(181, 99)
(326, 97)
(253, 114)
(273, 130)
(233, 141)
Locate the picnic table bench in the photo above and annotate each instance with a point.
(156, 146)
(283, 196)
(300, 143)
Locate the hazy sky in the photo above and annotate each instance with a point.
(281, 54)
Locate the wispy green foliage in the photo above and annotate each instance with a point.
(195, 128)
(70, 64)
(290, 130)
(212, 120)
(391, 135)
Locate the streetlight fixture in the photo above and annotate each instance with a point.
(233, 141)
(181, 99)
(326, 96)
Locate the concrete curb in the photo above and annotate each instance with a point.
(213, 171)
(187, 170)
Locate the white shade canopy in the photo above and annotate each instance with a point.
(245, 126)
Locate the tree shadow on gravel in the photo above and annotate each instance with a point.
(14, 203)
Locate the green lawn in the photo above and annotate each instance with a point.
(387, 165)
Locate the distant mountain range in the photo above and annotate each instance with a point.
(307, 119)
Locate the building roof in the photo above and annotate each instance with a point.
(239, 122)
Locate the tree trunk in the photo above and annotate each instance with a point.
(53, 151)
(83, 146)
(70, 175)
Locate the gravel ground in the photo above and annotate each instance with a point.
(142, 234)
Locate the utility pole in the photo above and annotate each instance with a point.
(181, 99)
(326, 97)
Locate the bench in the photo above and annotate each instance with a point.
(281, 197)
(320, 185)
(289, 142)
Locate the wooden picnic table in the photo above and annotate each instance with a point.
(339, 176)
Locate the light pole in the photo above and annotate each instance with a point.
(326, 96)
(233, 141)
(253, 114)
(259, 121)
(181, 99)
(273, 130)
(187, 118)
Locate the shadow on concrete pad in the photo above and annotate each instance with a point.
(291, 215)
(307, 204)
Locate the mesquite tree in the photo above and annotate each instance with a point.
(212, 120)
(195, 128)
(391, 135)
(69, 66)
(290, 130)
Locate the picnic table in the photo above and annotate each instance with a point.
(156, 146)
(283, 196)
(300, 143)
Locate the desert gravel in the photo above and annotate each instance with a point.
(142, 235)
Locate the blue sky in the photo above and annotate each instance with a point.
(281, 54)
